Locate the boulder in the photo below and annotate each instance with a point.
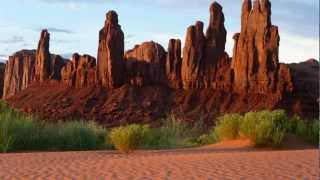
(145, 64)
(111, 65)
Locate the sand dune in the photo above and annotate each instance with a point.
(202, 163)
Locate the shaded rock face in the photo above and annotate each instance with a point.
(56, 64)
(145, 64)
(80, 72)
(306, 77)
(2, 69)
(255, 59)
(43, 59)
(19, 72)
(173, 64)
(111, 65)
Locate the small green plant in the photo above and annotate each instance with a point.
(129, 138)
(227, 127)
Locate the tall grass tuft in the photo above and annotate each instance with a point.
(227, 127)
(129, 138)
(20, 132)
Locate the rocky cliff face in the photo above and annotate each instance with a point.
(146, 64)
(80, 72)
(255, 59)
(19, 72)
(111, 65)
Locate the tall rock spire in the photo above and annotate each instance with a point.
(193, 56)
(173, 63)
(111, 65)
(256, 50)
(43, 61)
(202, 54)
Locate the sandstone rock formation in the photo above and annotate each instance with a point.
(146, 64)
(31, 66)
(111, 65)
(19, 72)
(204, 55)
(173, 64)
(80, 72)
(133, 87)
(43, 59)
(255, 59)
(193, 56)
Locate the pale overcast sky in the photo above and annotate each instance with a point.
(74, 24)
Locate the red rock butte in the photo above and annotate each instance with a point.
(143, 84)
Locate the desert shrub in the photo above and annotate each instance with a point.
(265, 127)
(227, 127)
(128, 138)
(306, 130)
(313, 132)
(174, 133)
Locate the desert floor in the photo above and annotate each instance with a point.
(222, 161)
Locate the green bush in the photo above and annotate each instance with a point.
(264, 127)
(128, 138)
(313, 135)
(227, 127)
(307, 130)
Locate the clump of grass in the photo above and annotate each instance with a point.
(20, 132)
(129, 138)
(174, 133)
(227, 127)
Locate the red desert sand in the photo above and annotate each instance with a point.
(230, 160)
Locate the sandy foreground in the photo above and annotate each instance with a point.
(214, 162)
